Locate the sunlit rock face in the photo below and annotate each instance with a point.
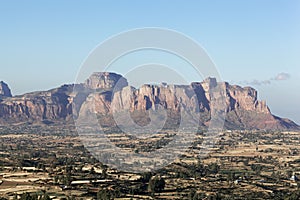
(108, 93)
(105, 80)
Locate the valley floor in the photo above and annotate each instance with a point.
(241, 165)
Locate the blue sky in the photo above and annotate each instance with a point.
(43, 43)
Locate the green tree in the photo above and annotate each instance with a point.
(146, 176)
(157, 184)
(213, 168)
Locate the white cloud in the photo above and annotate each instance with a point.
(256, 82)
(282, 76)
(279, 77)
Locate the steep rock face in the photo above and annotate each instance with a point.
(37, 106)
(105, 80)
(4, 90)
(56, 104)
(244, 110)
(150, 97)
(108, 93)
(241, 104)
(245, 99)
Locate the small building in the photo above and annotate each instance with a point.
(294, 178)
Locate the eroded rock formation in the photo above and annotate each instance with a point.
(106, 93)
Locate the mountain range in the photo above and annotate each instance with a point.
(106, 93)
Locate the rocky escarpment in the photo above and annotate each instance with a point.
(243, 109)
(58, 104)
(37, 106)
(107, 93)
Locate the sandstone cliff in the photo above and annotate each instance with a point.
(107, 93)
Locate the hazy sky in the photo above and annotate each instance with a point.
(253, 42)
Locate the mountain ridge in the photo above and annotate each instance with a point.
(106, 93)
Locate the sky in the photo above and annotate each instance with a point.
(253, 42)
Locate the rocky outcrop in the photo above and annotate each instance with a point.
(105, 80)
(4, 90)
(242, 107)
(37, 106)
(59, 104)
(108, 93)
